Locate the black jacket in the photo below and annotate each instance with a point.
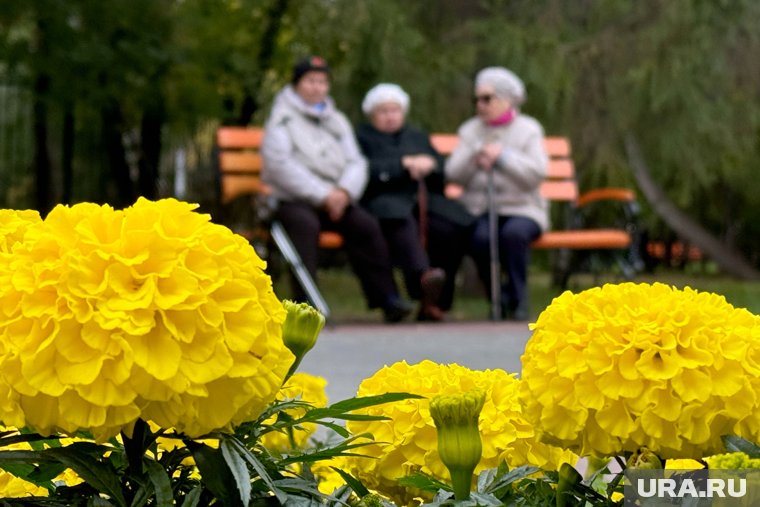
(391, 192)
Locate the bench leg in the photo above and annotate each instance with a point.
(562, 268)
(289, 252)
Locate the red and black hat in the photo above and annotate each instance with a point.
(312, 63)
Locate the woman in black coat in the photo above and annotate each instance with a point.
(427, 233)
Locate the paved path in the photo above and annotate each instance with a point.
(347, 354)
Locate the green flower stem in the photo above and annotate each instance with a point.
(461, 481)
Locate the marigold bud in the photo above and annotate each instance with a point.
(644, 459)
(459, 445)
(300, 330)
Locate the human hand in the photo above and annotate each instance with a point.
(486, 157)
(336, 202)
(419, 166)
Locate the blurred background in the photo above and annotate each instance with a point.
(107, 101)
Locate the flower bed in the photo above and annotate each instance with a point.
(145, 360)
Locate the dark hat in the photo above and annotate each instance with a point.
(312, 63)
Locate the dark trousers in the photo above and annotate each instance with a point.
(515, 237)
(363, 242)
(447, 244)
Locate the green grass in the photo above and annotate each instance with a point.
(343, 295)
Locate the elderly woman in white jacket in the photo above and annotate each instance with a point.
(317, 173)
(503, 140)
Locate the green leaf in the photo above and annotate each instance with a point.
(337, 428)
(215, 473)
(44, 474)
(370, 401)
(24, 457)
(193, 497)
(239, 470)
(352, 482)
(96, 501)
(82, 457)
(161, 483)
(31, 438)
(509, 477)
(258, 466)
(739, 444)
(424, 482)
(481, 499)
(326, 453)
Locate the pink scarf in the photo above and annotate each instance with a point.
(504, 119)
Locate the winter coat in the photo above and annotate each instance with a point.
(309, 152)
(391, 192)
(518, 172)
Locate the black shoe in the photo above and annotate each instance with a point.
(397, 310)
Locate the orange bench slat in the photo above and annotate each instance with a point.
(239, 137)
(581, 239)
(235, 185)
(240, 162)
(559, 190)
(330, 240)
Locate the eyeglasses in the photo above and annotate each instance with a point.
(485, 99)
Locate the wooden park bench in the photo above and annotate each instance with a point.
(240, 164)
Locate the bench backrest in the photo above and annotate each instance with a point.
(559, 185)
(240, 163)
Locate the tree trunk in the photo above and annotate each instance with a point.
(150, 149)
(250, 103)
(117, 160)
(67, 154)
(42, 171)
(729, 260)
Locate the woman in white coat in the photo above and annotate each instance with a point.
(503, 140)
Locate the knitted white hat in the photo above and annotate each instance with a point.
(505, 83)
(385, 92)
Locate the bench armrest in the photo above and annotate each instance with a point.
(624, 196)
(606, 194)
(619, 209)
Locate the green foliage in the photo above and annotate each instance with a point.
(680, 75)
(138, 470)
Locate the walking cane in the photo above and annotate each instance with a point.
(422, 209)
(493, 243)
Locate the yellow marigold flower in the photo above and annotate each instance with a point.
(150, 312)
(411, 435)
(625, 366)
(683, 464)
(304, 387)
(13, 226)
(732, 461)
(328, 480)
